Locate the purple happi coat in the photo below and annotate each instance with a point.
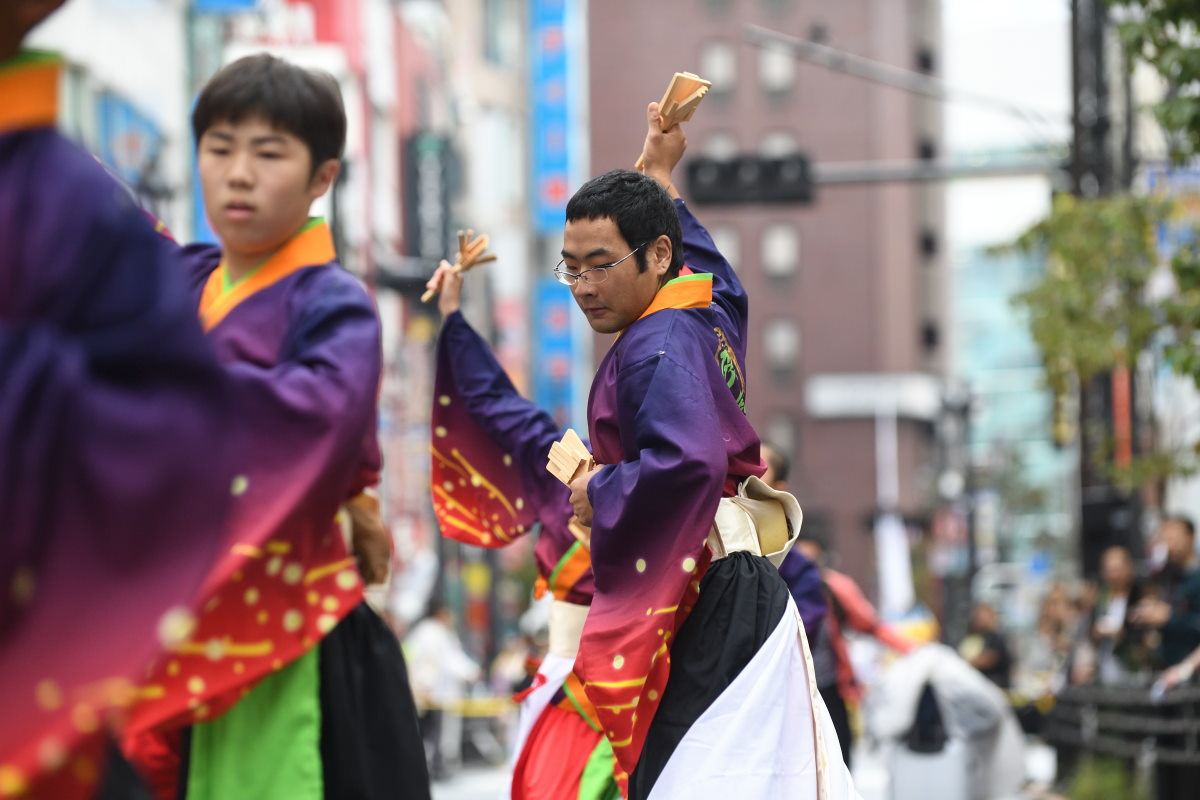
(666, 414)
(114, 470)
(300, 340)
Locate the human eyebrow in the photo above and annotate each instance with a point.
(224, 136)
(275, 138)
(596, 253)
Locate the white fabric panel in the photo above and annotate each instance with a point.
(757, 740)
(555, 669)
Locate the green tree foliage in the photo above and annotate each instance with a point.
(1165, 34)
(1089, 311)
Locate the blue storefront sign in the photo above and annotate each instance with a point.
(550, 74)
(223, 6)
(553, 386)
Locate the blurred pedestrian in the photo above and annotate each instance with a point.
(986, 648)
(441, 671)
(1122, 654)
(1175, 615)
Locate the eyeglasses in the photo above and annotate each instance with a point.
(593, 275)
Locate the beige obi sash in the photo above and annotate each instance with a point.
(566, 626)
(759, 520)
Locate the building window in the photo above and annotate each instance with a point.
(781, 343)
(780, 250)
(728, 242)
(924, 59)
(778, 144)
(776, 68)
(721, 146)
(718, 63)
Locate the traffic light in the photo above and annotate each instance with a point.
(749, 179)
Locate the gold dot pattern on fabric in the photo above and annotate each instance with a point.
(292, 573)
(640, 565)
(214, 649)
(262, 618)
(330, 603)
(448, 486)
(48, 694)
(347, 579)
(173, 668)
(52, 755)
(689, 564)
(326, 623)
(292, 620)
(23, 586)
(85, 719)
(519, 503)
(195, 684)
(440, 431)
(444, 400)
(618, 661)
(274, 565)
(239, 485)
(239, 667)
(507, 460)
(175, 626)
(12, 782)
(313, 597)
(251, 596)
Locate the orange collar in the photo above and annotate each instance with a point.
(689, 290)
(312, 245)
(29, 86)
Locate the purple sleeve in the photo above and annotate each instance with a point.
(701, 254)
(512, 422)
(310, 418)
(803, 578)
(114, 470)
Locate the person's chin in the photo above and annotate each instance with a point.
(603, 325)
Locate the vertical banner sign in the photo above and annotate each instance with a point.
(549, 126)
(427, 196)
(552, 385)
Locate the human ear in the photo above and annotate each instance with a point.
(323, 177)
(660, 255)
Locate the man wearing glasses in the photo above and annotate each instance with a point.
(692, 653)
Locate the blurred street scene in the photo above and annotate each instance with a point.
(968, 235)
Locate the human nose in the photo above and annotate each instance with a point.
(583, 287)
(241, 171)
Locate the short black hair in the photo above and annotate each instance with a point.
(777, 460)
(303, 102)
(641, 209)
(1185, 521)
